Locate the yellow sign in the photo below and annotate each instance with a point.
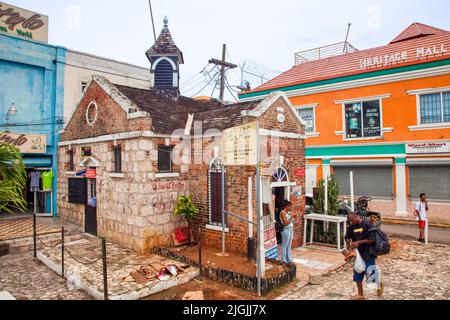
(26, 143)
(23, 23)
(239, 144)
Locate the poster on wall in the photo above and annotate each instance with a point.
(239, 144)
(270, 239)
(26, 143)
(372, 119)
(23, 23)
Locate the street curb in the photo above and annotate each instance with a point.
(413, 223)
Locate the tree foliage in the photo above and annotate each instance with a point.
(333, 197)
(13, 179)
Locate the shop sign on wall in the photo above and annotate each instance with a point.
(240, 145)
(428, 147)
(23, 23)
(26, 143)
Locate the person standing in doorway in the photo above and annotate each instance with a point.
(287, 234)
(421, 215)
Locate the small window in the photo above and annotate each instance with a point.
(435, 108)
(215, 192)
(117, 159)
(71, 161)
(84, 85)
(307, 115)
(165, 159)
(363, 119)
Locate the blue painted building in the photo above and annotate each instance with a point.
(32, 82)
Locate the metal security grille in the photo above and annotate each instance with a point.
(368, 181)
(117, 159)
(430, 108)
(164, 75)
(432, 180)
(215, 197)
(164, 159)
(77, 190)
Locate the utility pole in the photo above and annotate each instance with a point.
(224, 65)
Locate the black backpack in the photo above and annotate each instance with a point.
(382, 244)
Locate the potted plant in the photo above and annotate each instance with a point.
(186, 209)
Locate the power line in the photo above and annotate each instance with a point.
(206, 84)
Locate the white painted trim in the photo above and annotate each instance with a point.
(264, 105)
(281, 134)
(174, 66)
(428, 91)
(216, 228)
(361, 163)
(116, 175)
(363, 99)
(377, 143)
(410, 75)
(388, 130)
(70, 173)
(428, 161)
(358, 156)
(139, 114)
(95, 162)
(313, 135)
(282, 184)
(167, 175)
(433, 126)
(313, 107)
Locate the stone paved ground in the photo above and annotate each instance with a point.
(22, 228)
(82, 273)
(411, 272)
(28, 280)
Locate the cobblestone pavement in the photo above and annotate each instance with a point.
(84, 269)
(22, 228)
(411, 272)
(29, 280)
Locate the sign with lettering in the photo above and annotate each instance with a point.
(26, 143)
(403, 56)
(428, 147)
(23, 23)
(240, 145)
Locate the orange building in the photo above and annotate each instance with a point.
(382, 113)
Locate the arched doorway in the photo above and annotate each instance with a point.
(215, 192)
(281, 191)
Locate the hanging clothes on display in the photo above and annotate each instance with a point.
(35, 181)
(47, 181)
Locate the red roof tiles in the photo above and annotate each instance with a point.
(403, 50)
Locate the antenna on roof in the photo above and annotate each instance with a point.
(346, 37)
(153, 21)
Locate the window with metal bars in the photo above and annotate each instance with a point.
(165, 159)
(71, 161)
(117, 159)
(435, 108)
(215, 193)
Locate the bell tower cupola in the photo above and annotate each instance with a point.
(165, 59)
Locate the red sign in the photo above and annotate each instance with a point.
(91, 173)
(299, 172)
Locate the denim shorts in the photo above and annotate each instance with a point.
(359, 277)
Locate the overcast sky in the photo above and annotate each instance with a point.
(267, 32)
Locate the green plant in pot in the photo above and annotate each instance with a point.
(186, 209)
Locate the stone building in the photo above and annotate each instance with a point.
(127, 154)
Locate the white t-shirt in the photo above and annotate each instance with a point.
(422, 209)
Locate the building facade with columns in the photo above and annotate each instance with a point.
(381, 113)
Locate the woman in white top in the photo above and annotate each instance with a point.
(421, 215)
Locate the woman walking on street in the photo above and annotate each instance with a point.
(287, 219)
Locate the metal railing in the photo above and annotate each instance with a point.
(323, 52)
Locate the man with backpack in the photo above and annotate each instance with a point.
(371, 242)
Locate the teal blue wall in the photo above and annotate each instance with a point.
(32, 77)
